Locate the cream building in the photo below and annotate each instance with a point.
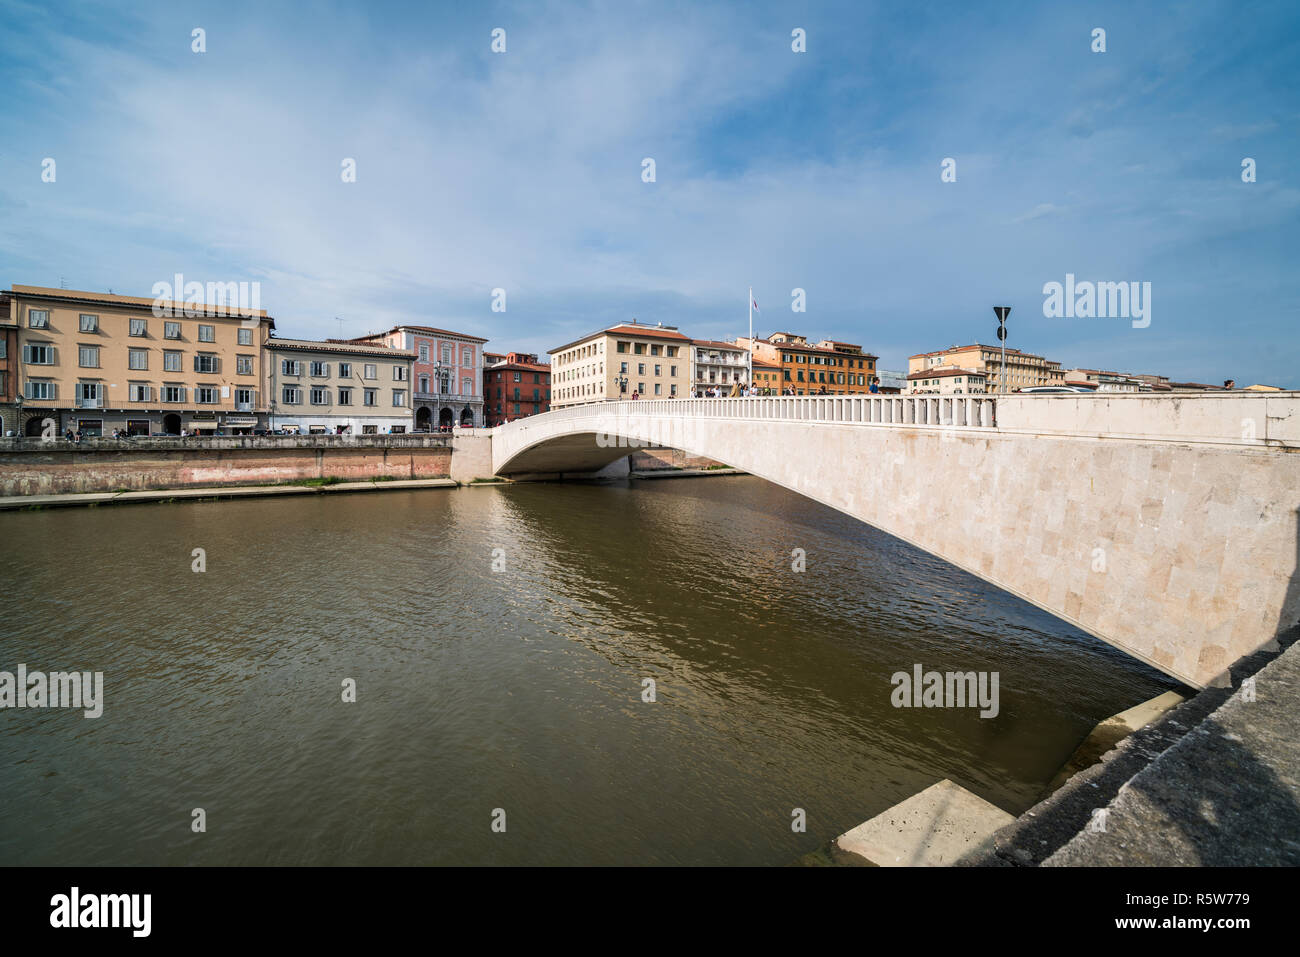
(1024, 369)
(333, 387)
(943, 380)
(98, 362)
(651, 362)
(1102, 381)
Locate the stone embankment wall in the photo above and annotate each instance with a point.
(50, 468)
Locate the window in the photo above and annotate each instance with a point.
(672, 352)
(171, 330)
(89, 323)
(243, 399)
(369, 430)
(446, 355)
(4, 348)
(399, 398)
(639, 348)
(345, 396)
(139, 327)
(672, 370)
(206, 395)
(319, 369)
(467, 357)
(244, 365)
(640, 388)
(658, 389)
(466, 387)
(137, 358)
(88, 357)
(640, 368)
(516, 408)
(292, 395)
(38, 318)
(424, 383)
(171, 361)
(207, 333)
(516, 392)
(38, 354)
(208, 362)
(140, 392)
(658, 369)
(290, 367)
(370, 371)
(424, 352)
(320, 396)
(173, 393)
(518, 377)
(90, 395)
(345, 370)
(401, 373)
(245, 337)
(41, 389)
(371, 397)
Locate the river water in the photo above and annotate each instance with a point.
(509, 679)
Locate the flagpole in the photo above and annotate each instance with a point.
(750, 383)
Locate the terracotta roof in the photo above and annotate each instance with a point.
(765, 364)
(978, 345)
(626, 329)
(112, 299)
(712, 344)
(430, 330)
(940, 372)
(312, 345)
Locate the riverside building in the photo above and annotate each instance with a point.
(825, 368)
(96, 363)
(1024, 369)
(515, 385)
(447, 375)
(651, 362)
(338, 387)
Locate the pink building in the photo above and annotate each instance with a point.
(447, 377)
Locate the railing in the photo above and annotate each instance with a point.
(956, 411)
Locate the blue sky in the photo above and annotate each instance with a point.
(818, 171)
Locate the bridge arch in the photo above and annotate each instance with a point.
(1159, 524)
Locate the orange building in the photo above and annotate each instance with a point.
(827, 368)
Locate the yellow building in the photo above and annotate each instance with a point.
(650, 362)
(1024, 369)
(98, 362)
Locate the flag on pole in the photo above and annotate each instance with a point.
(754, 302)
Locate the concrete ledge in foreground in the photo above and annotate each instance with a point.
(930, 829)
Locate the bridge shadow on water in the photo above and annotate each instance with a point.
(822, 644)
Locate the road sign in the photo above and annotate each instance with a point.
(1002, 332)
(1002, 312)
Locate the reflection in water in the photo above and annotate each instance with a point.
(517, 689)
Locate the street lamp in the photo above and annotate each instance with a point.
(621, 382)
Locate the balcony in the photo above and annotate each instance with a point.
(243, 407)
(85, 403)
(448, 397)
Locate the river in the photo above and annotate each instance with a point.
(499, 638)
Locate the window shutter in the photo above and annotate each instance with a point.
(217, 363)
(27, 353)
(326, 367)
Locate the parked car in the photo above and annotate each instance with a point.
(1042, 389)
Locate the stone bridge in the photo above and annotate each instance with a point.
(1163, 524)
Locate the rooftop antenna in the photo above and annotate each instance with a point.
(340, 322)
(63, 283)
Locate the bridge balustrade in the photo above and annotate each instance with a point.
(957, 412)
